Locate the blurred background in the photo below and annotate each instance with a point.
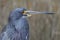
(42, 26)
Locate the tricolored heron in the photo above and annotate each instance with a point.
(18, 26)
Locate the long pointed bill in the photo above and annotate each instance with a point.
(36, 12)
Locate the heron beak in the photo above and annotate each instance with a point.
(36, 12)
(29, 12)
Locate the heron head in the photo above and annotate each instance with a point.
(16, 14)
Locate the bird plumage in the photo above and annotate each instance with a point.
(17, 27)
